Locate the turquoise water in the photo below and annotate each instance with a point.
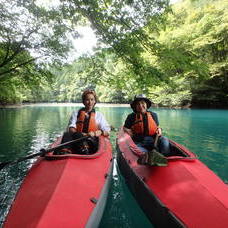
(25, 130)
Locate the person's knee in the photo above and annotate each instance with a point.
(66, 137)
(93, 144)
(148, 140)
(143, 149)
(164, 146)
(163, 140)
(77, 135)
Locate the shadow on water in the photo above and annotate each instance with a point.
(122, 210)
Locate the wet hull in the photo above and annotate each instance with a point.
(64, 191)
(183, 194)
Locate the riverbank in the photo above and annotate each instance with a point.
(187, 106)
(62, 104)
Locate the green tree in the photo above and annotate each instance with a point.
(197, 33)
(119, 24)
(31, 37)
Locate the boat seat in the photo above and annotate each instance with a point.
(176, 151)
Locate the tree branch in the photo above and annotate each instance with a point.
(2, 74)
(17, 50)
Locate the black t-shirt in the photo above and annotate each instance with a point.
(131, 119)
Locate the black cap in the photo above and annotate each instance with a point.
(140, 97)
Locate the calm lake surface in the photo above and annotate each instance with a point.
(25, 130)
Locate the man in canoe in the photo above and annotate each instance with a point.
(86, 122)
(143, 126)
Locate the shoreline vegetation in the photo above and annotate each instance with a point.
(188, 106)
(61, 104)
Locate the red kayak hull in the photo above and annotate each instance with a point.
(60, 192)
(185, 193)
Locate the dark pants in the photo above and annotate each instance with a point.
(85, 146)
(147, 144)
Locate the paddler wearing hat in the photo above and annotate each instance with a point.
(143, 126)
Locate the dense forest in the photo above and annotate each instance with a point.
(176, 54)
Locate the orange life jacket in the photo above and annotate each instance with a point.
(90, 123)
(138, 127)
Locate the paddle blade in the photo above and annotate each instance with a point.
(156, 158)
(143, 159)
(153, 158)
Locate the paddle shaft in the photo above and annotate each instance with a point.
(156, 140)
(42, 152)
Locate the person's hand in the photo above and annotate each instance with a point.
(128, 131)
(92, 134)
(105, 133)
(98, 133)
(72, 130)
(159, 131)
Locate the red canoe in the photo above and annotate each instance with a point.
(185, 193)
(62, 190)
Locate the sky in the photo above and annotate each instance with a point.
(173, 1)
(88, 40)
(85, 44)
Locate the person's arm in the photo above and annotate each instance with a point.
(155, 117)
(128, 124)
(128, 131)
(98, 133)
(72, 122)
(159, 131)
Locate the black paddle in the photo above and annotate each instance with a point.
(42, 152)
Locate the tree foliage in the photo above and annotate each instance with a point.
(203, 30)
(175, 55)
(30, 32)
(119, 24)
(31, 37)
